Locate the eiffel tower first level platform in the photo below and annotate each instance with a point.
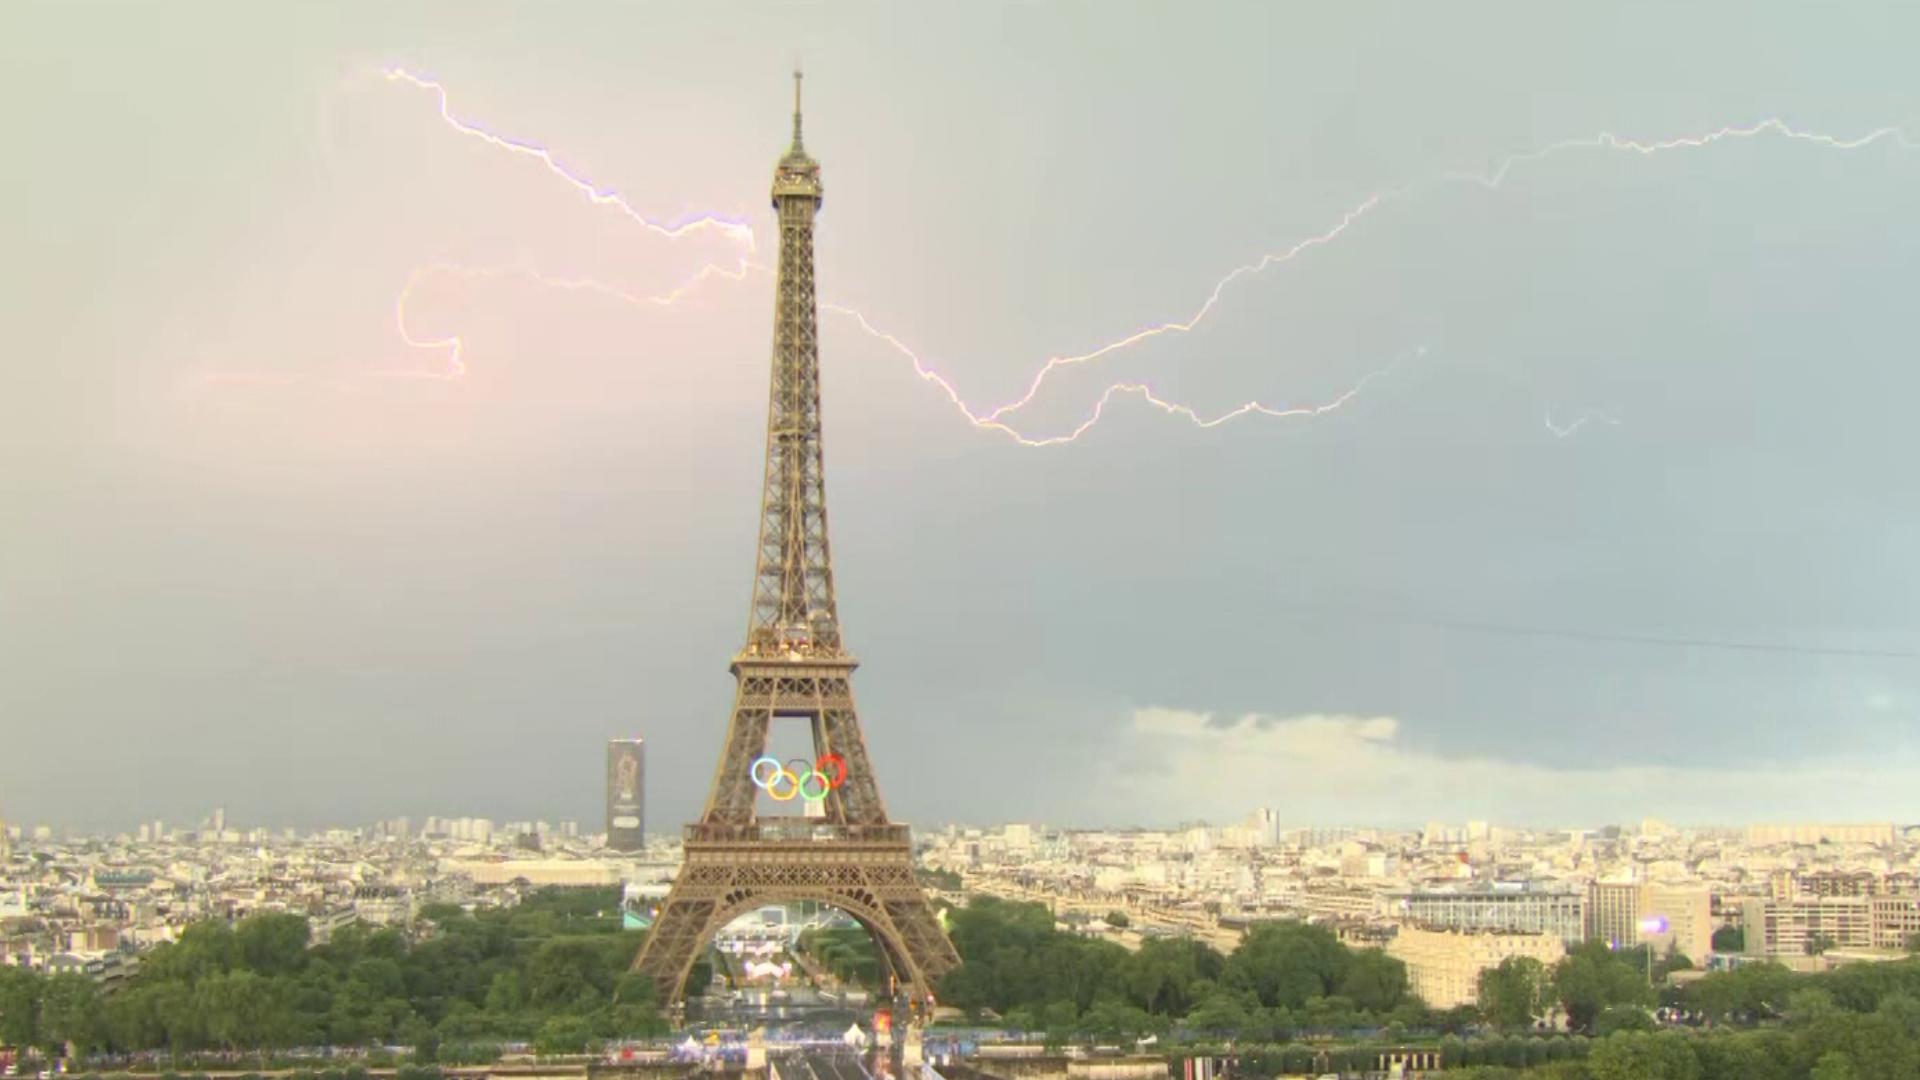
(844, 852)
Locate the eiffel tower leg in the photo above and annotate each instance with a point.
(872, 883)
(678, 934)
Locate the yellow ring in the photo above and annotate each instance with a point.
(773, 785)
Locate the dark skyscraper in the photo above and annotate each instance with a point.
(626, 772)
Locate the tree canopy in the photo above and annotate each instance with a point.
(257, 984)
(1284, 975)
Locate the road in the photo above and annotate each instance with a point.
(803, 1007)
(825, 1064)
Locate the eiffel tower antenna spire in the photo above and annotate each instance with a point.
(798, 148)
(843, 851)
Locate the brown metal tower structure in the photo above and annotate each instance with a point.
(845, 852)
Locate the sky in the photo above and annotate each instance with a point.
(1594, 500)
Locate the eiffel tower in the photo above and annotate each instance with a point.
(845, 853)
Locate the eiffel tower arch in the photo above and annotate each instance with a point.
(844, 852)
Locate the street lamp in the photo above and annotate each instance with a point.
(1651, 926)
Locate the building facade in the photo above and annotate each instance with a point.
(1515, 907)
(1804, 925)
(1894, 921)
(1686, 914)
(626, 777)
(1877, 835)
(1671, 918)
(1444, 966)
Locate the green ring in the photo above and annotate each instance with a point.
(825, 785)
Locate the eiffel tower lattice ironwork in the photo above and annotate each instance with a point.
(845, 853)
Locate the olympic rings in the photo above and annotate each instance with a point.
(784, 782)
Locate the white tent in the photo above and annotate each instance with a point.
(855, 1037)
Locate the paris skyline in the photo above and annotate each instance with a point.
(1613, 529)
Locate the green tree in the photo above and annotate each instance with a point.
(634, 988)
(1643, 1056)
(1514, 992)
(1903, 1011)
(1060, 1019)
(1748, 991)
(1161, 976)
(1375, 982)
(1118, 920)
(1833, 1065)
(504, 994)
(1111, 1020)
(1675, 960)
(563, 1035)
(237, 1009)
(424, 1040)
(272, 944)
(1741, 1056)
(1731, 939)
(71, 1015)
(1592, 978)
(133, 1018)
(186, 1025)
(20, 994)
(1622, 1018)
(561, 969)
(1221, 1012)
(1286, 963)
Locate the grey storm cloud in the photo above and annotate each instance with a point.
(257, 549)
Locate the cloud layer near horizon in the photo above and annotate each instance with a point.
(1359, 770)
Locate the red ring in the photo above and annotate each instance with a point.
(840, 769)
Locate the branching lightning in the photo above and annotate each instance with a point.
(1490, 180)
(1585, 418)
(454, 347)
(992, 422)
(737, 231)
(994, 419)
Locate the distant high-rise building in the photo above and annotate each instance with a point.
(1804, 924)
(1668, 917)
(1613, 912)
(1265, 824)
(626, 819)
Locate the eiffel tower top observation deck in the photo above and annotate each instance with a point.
(794, 614)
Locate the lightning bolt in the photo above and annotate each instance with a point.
(454, 348)
(1491, 180)
(994, 419)
(1579, 422)
(739, 232)
(991, 421)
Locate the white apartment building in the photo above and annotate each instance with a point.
(1444, 966)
